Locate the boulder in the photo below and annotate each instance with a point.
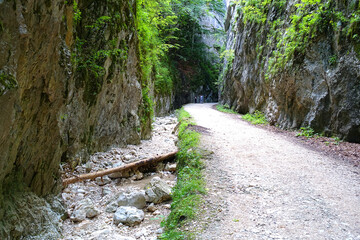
(128, 215)
(85, 209)
(135, 199)
(158, 191)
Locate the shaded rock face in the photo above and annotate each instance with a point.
(53, 106)
(313, 91)
(31, 217)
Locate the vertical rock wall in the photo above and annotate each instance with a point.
(319, 87)
(53, 105)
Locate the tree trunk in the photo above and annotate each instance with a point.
(137, 164)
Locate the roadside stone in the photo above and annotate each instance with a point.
(128, 215)
(171, 167)
(157, 212)
(158, 191)
(129, 157)
(85, 209)
(101, 181)
(111, 207)
(88, 167)
(151, 208)
(135, 199)
(138, 175)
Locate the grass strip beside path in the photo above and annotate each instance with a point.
(190, 183)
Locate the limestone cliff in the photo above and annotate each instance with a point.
(296, 61)
(69, 86)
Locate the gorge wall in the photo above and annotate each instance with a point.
(296, 61)
(70, 85)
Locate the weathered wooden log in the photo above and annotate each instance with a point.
(102, 173)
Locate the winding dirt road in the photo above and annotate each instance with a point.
(264, 186)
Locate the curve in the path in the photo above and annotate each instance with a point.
(271, 187)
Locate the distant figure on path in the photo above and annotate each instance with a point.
(201, 99)
(195, 100)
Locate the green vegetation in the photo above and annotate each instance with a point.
(225, 108)
(256, 118)
(7, 82)
(199, 67)
(307, 132)
(155, 24)
(77, 12)
(289, 38)
(90, 53)
(190, 183)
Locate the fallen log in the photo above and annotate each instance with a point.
(102, 173)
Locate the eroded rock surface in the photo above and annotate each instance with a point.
(320, 87)
(57, 103)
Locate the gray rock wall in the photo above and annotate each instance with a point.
(311, 91)
(53, 106)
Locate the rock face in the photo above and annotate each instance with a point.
(318, 87)
(31, 217)
(69, 86)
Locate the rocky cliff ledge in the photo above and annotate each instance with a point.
(297, 61)
(69, 86)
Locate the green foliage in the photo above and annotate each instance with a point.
(256, 118)
(7, 82)
(190, 183)
(337, 140)
(90, 53)
(225, 108)
(154, 23)
(199, 67)
(290, 37)
(307, 132)
(77, 13)
(333, 60)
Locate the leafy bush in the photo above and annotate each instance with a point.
(256, 118)
(225, 108)
(307, 132)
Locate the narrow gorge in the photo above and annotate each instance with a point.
(81, 77)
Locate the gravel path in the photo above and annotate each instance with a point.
(264, 186)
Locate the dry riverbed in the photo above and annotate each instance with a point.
(92, 205)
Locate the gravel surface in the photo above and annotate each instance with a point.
(263, 185)
(101, 191)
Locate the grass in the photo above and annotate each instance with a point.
(256, 118)
(225, 108)
(190, 184)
